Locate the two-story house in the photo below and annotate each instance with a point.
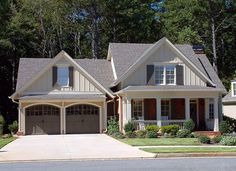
(158, 83)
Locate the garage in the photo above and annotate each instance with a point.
(82, 118)
(42, 119)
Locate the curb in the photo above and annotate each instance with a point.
(167, 155)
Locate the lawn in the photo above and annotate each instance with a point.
(190, 149)
(5, 141)
(160, 141)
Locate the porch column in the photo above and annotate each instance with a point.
(105, 114)
(63, 119)
(128, 109)
(158, 110)
(19, 118)
(216, 114)
(187, 108)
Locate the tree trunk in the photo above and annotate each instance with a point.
(214, 44)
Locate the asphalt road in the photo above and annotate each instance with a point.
(178, 164)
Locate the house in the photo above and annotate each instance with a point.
(229, 102)
(158, 83)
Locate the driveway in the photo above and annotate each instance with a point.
(68, 147)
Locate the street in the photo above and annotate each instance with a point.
(174, 164)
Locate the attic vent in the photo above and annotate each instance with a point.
(198, 49)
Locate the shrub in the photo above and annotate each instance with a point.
(183, 133)
(130, 134)
(170, 129)
(228, 140)
(13, 127)
(189, 125)
(204, 139)
(151, 134)
(154, 128)
(141, 133)
(118, 135)
(113, 126)
(225, 127)
(129, 127)
(216, 139)
(231, 122)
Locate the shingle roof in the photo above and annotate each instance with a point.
(169, 88)
(100, 70)
(125, 54)
(229, 98)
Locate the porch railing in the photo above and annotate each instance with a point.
(142, 123)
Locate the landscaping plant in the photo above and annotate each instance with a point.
(154, 128)
(2, 123)
(225, 127)
(189, 125)
(151, 134)
(183, 133)
(204, 139)
(170, 129)
(216, 139)
(129, 127)
(141, 133)
(113, 126)
(228, 140)
(130, 134)
(13, 127)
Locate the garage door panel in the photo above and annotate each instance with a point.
(82, 119)
(42, 119)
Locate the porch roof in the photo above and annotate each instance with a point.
(62, 96)
(168, 88)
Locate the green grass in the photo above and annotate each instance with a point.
(5, 141)
(190, 149)
(160, 141)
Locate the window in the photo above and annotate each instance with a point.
(170, 74)
(63, 76)
(159, 75)
(165, 108)
(165, 74)
(233, 84)
(211, 109)
(137, 109)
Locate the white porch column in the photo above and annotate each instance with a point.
(158, 110)
(128, 109)
(187, 108)
(63, 119)
(216, 114)
(19, 118)
(105, 114)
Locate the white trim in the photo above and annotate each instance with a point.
(81, 103)
(165, 65)
(149, 51)
(232, 88)
(113, 68)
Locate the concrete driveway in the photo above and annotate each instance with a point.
(68, 147)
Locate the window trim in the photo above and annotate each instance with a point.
(132, 108)
(211, 102)
(232, 88)
(165, 65)
(63, 66)
(169, 114)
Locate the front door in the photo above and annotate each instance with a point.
(193, 111)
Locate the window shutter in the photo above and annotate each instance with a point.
(71, 76)
(54, 75)
(179, 75)
(150, 75)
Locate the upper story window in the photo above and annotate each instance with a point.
(63, 76)
(233, 85)
(165, 75)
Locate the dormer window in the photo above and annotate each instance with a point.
(233, 86)
(165, 74)
(63, 76)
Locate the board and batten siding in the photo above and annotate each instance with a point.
(163, 55)
(44, 84)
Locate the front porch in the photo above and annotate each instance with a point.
(165, 111)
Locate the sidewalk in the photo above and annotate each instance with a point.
(176, 146)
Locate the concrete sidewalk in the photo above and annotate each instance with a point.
(69, 147)
(176, 146)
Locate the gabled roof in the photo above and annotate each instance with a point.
(125, 55)
(229, 98)
(32, 68)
